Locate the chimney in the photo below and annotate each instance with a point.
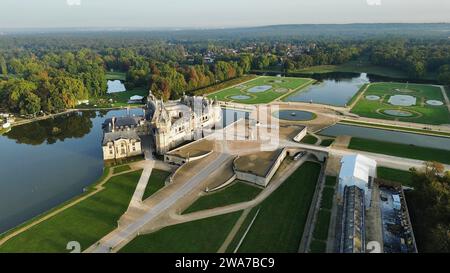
(113, 121)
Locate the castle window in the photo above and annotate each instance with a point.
(110, 152)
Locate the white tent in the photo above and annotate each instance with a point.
(355, 171)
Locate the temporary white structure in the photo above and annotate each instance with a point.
(356, 170)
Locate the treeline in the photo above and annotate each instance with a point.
(417, 58)
(170, 81)
(430, 208)
(51, 83)
(54, 71)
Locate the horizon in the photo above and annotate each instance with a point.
(203, 14)
(175, 29)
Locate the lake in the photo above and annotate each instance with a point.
(332, 90)
(45, 163)
(48, 162)
(388, 135)
(115, 86)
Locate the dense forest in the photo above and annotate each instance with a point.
(429, 208)
(49, 72)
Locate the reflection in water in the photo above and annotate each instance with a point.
(331, 89)
(387, 135)
(73, 125)
(47, 162)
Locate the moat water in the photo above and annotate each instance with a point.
(388, 135)
(332, 89)
(45, 163)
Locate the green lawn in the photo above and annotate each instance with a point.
(281, 86)
(330, 181)
(362, 66)
(85, 222)
(122, 76)
(400, 150)
(123, 97)
(317, 247)
(309, 139)
(236, 193)
(121, 168)
(237, 238)
(155, 182)
(326, 142)
(280, 223)
(421, 112)
(223, 85)
(327, 198)
(201, 236)
(404, 177)
(395, 128)
(322, 225)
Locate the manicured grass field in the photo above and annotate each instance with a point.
(354, 67)
(280, 86)
(122, 76)
(236, 193)
(322, 225)
(123, 97)
(85, 222)
(326, 142)
(422, 112)
(280, 223)
(155, 182)
(317, 246)
(201, 236)
(309, 139)
(327, 198)
(404, 177)
(330, 181)
(400, 150)
(395, 128)
(121, 168)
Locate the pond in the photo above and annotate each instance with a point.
(387, 135)
(115, 86)
(294, 115)
(336, 91)
(48, 162)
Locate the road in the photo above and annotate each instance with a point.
(128, 232)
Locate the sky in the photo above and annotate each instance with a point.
(214, 13)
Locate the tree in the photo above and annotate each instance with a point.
(444, 74)
(3, 67)
(430, 208)
(30, 103)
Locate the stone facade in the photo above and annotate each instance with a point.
(121, 137)
(175, 122)
(121, 144)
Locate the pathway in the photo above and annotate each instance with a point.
(234, 231)
(312, 213)
(444, 94)
(124, 234)
(148, 165)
